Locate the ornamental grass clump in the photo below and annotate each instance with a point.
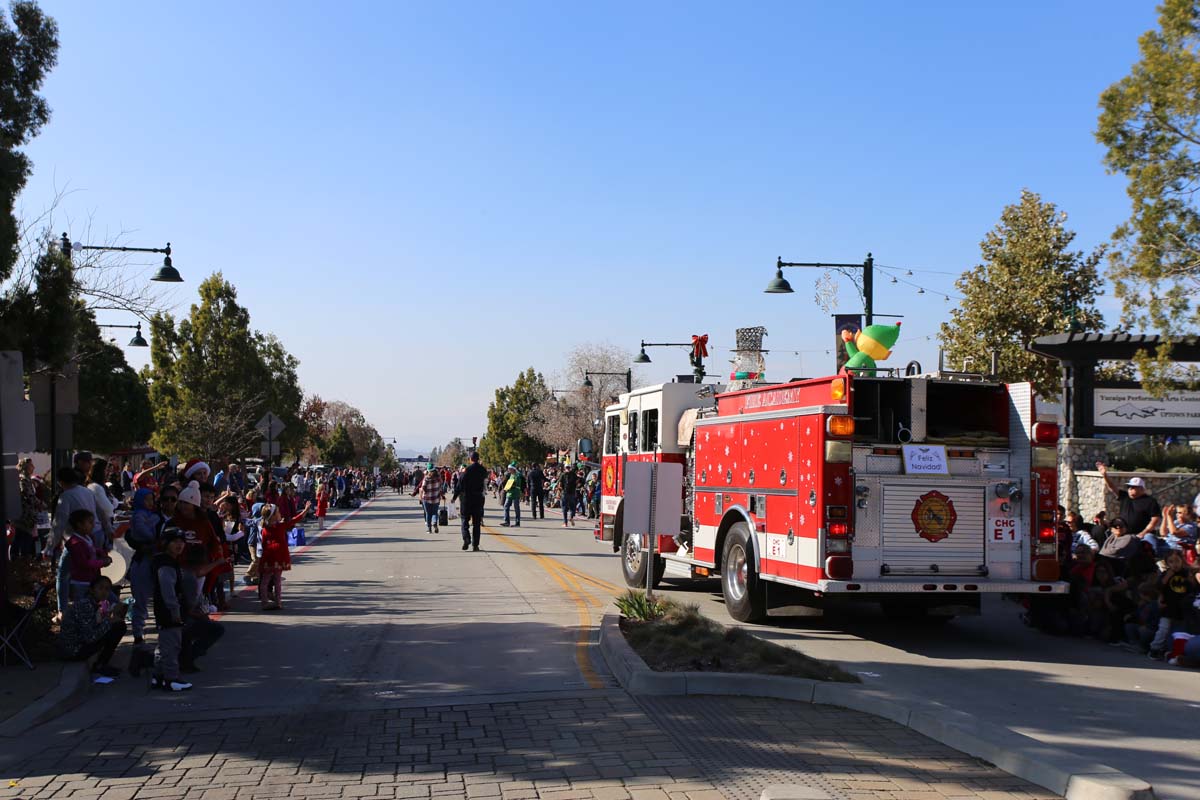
(673, 637)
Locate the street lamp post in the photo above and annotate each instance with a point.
(137, 340)
(779, 284)
(587, 378)
(166, 273)
(698, 348)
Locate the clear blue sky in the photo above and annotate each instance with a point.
(423, 199)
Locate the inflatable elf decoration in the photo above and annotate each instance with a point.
(865, 346)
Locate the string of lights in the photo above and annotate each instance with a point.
(901, 275)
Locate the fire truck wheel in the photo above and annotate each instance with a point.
(744, 596)
(633, 563)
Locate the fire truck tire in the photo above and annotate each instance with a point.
(633, 564)
(745, 596)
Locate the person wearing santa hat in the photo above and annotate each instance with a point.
(196, 470)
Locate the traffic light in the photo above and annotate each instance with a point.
(474, 441)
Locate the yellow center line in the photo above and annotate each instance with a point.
(555, 570)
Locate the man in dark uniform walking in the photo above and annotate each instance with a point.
(535, 482)
(471, 487)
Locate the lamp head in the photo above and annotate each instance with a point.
(642, 358)
(778, 284)
(587, 381)
(167, 272)
(138, 340)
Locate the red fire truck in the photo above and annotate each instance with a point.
(918, 492)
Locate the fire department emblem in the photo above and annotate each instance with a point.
(610, 479)
(934, 516)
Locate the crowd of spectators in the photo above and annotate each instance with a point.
(175, 537)
(1134, 579)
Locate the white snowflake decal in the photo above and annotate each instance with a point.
(719, 468)
(837, 481)
(726, 449)
(808, 463)
(802, 520)
(808, 430)
(764, 467)
(745, 442)
(781, 426)
(706, 436)
(791, 516)
(789, 456)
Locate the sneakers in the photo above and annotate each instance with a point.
(435, 528)
(475, 548)
(466, 545)
(505, 525)
(169, 686)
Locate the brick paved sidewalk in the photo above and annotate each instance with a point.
(600, 745)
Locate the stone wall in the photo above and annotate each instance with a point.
(1081, 487)
(1077, 456)
(1167, 487)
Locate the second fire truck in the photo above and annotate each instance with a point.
(918, 492)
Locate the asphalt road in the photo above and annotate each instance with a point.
(1124, 710)
(382, 615)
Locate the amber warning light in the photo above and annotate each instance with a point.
(841, 425)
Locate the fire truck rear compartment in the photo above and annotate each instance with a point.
(905, 551)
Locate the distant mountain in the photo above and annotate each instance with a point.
(411, 453)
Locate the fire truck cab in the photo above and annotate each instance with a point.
(918, 492)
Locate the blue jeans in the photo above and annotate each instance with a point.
(431, 514)
(513, 503)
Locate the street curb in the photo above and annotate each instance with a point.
(1061, 771)
(74, 683)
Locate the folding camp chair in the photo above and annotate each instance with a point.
(13, 625)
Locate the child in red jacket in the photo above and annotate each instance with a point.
(275, 556)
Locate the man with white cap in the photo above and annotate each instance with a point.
(1139, 509)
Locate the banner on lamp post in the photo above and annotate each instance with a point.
(844, 322)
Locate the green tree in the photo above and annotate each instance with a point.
(28, 51)
(212, 378)
(338, 450)
(115, 412)
(39, 317)
(1030, 283)
(508, 437)
(1150, 124)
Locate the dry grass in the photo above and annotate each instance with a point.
(683, 640)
